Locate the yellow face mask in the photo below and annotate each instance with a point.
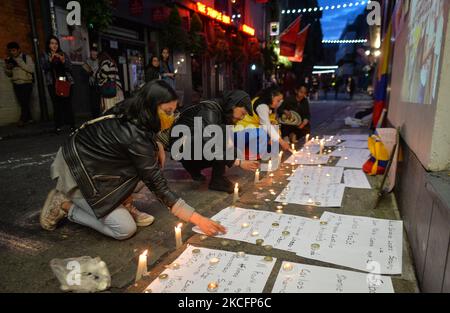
(166, 120)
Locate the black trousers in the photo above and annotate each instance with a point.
(23, 94)
(94, 101)
(62, 109)
(218, 167)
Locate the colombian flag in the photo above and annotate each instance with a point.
(382, 77)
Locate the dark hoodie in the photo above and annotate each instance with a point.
(213, 112)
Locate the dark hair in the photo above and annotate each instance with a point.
(168, 50)
(47, 47)
(266, 96)
(13, 45)
(151, 60)
(142, 108)
(105, 56)
(299, 87)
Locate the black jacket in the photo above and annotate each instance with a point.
(212, 112)
(108, 157)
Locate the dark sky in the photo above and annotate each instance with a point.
(334, 21)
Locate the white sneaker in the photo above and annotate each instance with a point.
(142, 219)
(52, 212)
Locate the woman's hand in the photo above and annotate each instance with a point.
(62, 57)
(161, 155)
(284, 145)
(249, 165)
(207, 226)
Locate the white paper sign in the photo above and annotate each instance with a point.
(313, 175)
(356, 179)
(307, 159)
(354, 137)
(351, 158)
(199, 269)
(301, 278)
(363, 243)
(354, 144)
(280, 231)
(319, 195)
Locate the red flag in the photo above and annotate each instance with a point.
(288, 39)
(300, 45)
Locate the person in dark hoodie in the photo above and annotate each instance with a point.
(227, 111)
(100, 166)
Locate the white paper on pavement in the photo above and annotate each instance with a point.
(356, 179)
(198, 268)
(354, 137)
(319, 195)
(301, 278)
(280, 231)
(314, 175)
(354, 144)
(363, 243)
(351, 158)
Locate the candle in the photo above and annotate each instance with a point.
(142, 266)
(288, 267)
(178, 238)
(257, 176)
(269, 166)
(214, 261)
(307, 138)
(236, 193)
(213, 287)
(322, 146)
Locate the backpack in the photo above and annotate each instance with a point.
(24, 57)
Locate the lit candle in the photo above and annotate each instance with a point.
(307, 138)
(280, 157)
(178, 238)
(288, 267)
(322, 146)
(142, 266)
(269, 166)
(257, 177)
(236, 193)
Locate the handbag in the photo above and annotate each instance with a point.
(109, 89)
(62, 88)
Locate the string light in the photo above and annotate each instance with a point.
(326, 8)
(345, 41)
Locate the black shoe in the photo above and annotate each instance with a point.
(222, 184)
(196, 175)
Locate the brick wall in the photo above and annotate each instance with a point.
(15, 26)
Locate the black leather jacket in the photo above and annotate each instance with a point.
(108, 157)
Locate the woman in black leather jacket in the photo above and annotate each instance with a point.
(99, 167)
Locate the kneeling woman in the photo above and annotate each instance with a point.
(100, 166)
(262, 123)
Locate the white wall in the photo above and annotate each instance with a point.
(424, 127)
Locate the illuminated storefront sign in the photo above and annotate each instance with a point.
(248, 30)
(214, 14)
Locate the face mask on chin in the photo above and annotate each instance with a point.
(166, 119)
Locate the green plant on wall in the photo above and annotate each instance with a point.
(197, 41)
(97, 15)
(174, 36)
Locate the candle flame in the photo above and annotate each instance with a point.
(180, 225)
(145, 253)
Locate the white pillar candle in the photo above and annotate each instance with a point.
(236, 194)
(142, 266)
(269, 166)
(307, 138)
(178, 238)
(322, 146)
(257, 176)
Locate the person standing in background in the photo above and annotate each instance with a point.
(20, 68)
(167, 70)
(152, 71)
(108, 80)
(91, 67)
(58, 73)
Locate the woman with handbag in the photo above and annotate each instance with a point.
(109, 83)
(58, 73)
